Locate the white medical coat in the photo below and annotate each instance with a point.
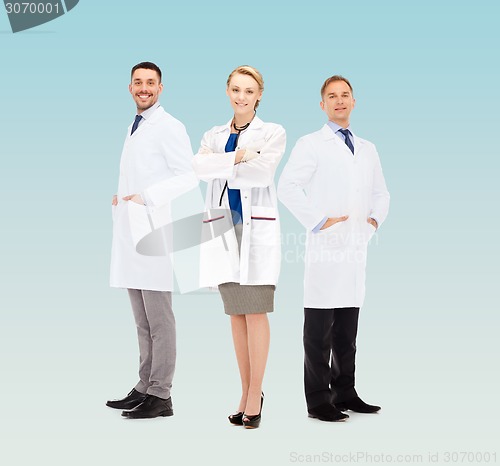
(156, 163)
(259, 261)
(323, 179)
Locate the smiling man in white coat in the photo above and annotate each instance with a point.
(333, 184)
(155, 168)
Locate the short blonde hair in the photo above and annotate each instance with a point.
(253, 73)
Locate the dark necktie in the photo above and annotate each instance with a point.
(137, 120)
(348, 142)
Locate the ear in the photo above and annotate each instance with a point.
(322, 105)
(160, 87)
(353, 102)
(130, 88)
(227, 91)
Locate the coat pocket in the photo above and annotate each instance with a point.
(336, 236)
(371, 230)
(139, 220)
(216, 222)
(219, 258)
(265, 225)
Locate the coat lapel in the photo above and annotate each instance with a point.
(340, 145)
(328, 135)
(150, 121)
(358, 145)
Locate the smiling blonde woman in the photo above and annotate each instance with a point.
(239, 160)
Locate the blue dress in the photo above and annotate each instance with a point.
(234, 194)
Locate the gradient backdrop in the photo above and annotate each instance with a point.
(425, 76)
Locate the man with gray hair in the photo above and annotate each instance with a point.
(333, 184)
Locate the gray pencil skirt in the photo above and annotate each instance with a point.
(246, 299)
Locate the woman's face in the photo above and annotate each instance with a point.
(243, 92)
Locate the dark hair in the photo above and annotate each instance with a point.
(333, 78)
(146, 65)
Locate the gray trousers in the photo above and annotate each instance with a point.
(155, 324)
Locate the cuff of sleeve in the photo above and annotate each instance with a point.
(375, 218)
(146, 199)
(319, 225)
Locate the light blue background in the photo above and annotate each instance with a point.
(425, 76)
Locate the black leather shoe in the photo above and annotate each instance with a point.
(236, 419)
(327, 412)
(151, 407)
(253, 422)
(133, 399)
(357, 405)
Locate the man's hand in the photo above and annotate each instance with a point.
(333, 220)
(373, 222)
(114, 201)
(134, 198)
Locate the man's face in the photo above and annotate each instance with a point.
(145, 88)
(338, 102)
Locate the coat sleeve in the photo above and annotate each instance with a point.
(297, 174)
(177, 151)
(380, 195)
(259, 172)
(209, 165)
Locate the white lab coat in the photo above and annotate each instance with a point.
(259, 261)
(156, 163)
(324, 179)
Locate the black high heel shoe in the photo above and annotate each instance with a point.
(236, 419)
(252, 422)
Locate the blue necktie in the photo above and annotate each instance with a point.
(348, 142)
(137, 120)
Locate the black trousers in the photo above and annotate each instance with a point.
(329, 354)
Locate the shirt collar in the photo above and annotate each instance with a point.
(335, 127)
(147, 113)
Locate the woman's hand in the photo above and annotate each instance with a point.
(239, 156)
(244, 155)
(114, 201)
